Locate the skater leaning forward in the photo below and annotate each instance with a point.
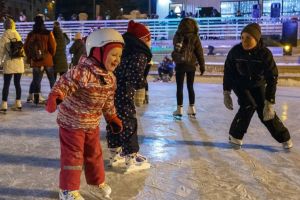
(130, 78)
(86, 92)
(251, 72)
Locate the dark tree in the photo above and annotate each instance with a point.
(112, 7)
(2, 9)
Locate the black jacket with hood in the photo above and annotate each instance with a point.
(188, 28)
(130, 73)
(245, 69)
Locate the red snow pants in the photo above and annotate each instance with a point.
(80, 149)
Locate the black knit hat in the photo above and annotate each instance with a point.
(254, 30)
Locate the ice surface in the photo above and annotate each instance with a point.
(191, 159)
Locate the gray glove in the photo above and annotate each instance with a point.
(268, 112)
(227, 100)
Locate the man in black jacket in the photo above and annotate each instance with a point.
(251, 72)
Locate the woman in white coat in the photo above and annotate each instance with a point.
(12, 67)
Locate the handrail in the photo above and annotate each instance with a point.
(164, 29)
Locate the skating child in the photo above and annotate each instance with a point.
(86, 92)
(130, 77)
(166, 69)
(251, 72)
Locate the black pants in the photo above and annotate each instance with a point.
(37, 76)
(7, 79)
(127, 139)
(146, 72)
(251, 100)
(190, 86)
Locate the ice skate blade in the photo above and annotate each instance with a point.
(235, 146)
(3, 112)
(16, 109)
(192, 116)
(135, 168)
(117, 163)
(177, 117)
(100, 196)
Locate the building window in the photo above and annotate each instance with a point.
(237, 8)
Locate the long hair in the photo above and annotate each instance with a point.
(39, 25)
(188, 25)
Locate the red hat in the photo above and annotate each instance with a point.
(138, 29)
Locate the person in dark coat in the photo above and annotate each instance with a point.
(60, 57)
(77, 49)
(39, 66)
(251, 72)
(130, 77)
(187, 34)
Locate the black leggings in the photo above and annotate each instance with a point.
(7, 79)
(190, 76)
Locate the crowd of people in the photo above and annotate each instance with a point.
(108, 72)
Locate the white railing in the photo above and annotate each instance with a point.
(164, 29)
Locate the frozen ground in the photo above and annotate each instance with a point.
(191, 159)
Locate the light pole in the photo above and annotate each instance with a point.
(149, 7)
(94, 9)
(32, 10)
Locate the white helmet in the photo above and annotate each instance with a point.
(102, 37)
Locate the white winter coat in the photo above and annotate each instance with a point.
(10, 66)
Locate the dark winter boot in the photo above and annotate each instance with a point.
(36, 98)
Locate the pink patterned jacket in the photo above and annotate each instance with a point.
(87, 92)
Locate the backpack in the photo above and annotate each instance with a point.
(183, 50)
(36, 49)
(16, 49)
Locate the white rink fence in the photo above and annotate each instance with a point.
(163, 29)
(222, 33)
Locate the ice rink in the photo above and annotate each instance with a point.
(191, 159)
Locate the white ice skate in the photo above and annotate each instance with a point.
(3, 108)
(117, 157)
(17, 106)
(191, 111)
(70, 195)
(288, 144)
(236, 143)
(178, 113)
(102, 191)
(41, 100)
(136, 162)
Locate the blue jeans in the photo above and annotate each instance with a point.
(37, 76)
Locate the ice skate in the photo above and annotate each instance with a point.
(191, 111)
(146, 101)
(116, 157)
(288, 144)
(101, 191)
(178, 113)
(42, 100)
(70, 195)
(17, 106)
(236, 143)
(30, 98)
(136, 162)
(36, 98)
(3, 107)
